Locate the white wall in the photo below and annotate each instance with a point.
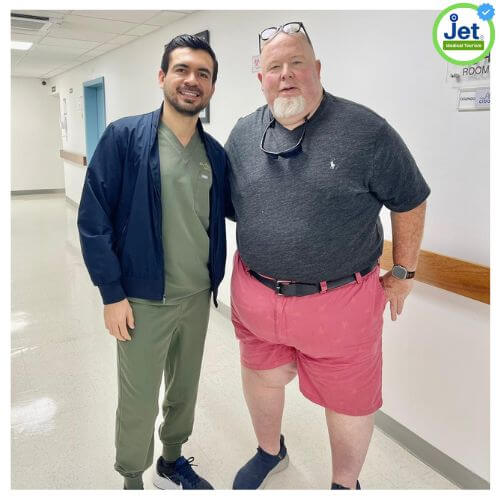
(35, 137)
(436, 361)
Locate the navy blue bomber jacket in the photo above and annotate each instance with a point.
(120, 213)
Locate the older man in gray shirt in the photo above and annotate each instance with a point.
(310, 173)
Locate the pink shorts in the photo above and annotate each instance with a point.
(335, 338)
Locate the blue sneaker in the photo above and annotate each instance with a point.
(255, 473)
(178, 476)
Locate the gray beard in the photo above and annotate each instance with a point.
(286, 107)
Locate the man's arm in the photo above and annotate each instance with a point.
(407, 232)
(99, 199)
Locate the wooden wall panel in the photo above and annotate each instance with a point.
(454, 275)
(74, 157)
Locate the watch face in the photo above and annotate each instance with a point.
(399, 272)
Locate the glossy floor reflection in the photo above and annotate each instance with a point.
(64, 383)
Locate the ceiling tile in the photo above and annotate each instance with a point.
(102, 49)
(70, 65)
(123, 39)
(25, 37)
(78, 34)
(131, 16)
(94, 24)
(56, 51)
(166, 17)
(142, 30)
(67, 42)
(87, 56)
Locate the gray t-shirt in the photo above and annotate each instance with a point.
(315, 216)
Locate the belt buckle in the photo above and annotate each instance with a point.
(278, 286)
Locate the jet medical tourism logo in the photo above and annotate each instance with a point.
(463, 33)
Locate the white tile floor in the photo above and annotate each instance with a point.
(64, 383)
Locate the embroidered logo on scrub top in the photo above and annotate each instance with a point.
(205, 168)
(332, 165)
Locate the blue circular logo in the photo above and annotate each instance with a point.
(485, 11)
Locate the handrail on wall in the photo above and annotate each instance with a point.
(455, 275)
(74, 157)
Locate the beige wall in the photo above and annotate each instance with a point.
(35, 137)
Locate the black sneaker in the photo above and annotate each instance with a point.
(178, 476)
(255, 473)
(336, 486)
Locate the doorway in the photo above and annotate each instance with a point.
(95, 114)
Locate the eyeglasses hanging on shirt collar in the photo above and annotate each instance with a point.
(290, 28)
(293, 151)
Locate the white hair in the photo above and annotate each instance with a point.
(286, 107)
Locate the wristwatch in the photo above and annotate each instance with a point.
(401, 273)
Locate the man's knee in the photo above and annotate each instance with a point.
(274, 378)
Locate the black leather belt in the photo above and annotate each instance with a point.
(297, 289)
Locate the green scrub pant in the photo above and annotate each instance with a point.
(169, 340)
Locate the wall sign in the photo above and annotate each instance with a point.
(255, 64)
(483, 98)
(470, 75)
(476, 99)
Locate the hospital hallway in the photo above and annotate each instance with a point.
(64, 387)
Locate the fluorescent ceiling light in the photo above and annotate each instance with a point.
(20, 45)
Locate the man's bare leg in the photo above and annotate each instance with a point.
(264, 392)
(349, 440)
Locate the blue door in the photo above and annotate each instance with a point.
(95, 114)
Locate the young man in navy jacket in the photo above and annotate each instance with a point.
(151, 223)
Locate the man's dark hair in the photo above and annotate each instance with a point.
(191, 42)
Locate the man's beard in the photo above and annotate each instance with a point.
(286, 107)
(183, 109)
